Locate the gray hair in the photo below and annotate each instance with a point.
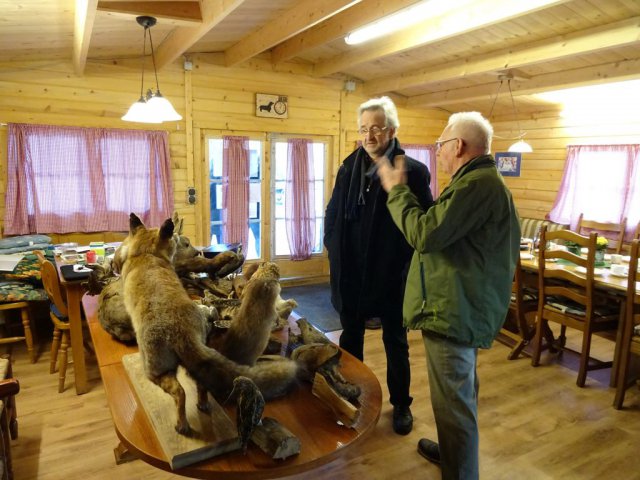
(388, 108)
(473, 128)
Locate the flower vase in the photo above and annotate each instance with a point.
(599, 262)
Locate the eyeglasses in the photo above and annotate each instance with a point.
(439, 143)
(375, 130)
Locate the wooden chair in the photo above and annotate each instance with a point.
(626, 247)
(26, 325)
(613, 231)
(58, 313)
(9, 387)
(519, 324)
(566, 296)
(630, 343)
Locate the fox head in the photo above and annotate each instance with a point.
(159, 242)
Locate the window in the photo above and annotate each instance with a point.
(215, 148)
(320, 149)
(71, 179)
(602, 182)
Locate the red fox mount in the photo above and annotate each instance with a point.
(171, 329)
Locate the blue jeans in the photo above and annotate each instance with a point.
(453, 383)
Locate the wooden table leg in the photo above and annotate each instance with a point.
(613, 380)
(74, 297)
(123, 454)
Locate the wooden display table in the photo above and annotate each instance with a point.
(310, 420)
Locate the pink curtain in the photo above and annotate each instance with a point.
(602, 182)
(299, 199)
(235, 190)
(425, 154)
(72, 179)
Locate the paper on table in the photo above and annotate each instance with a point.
(9, 262)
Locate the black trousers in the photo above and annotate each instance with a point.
(396, 347)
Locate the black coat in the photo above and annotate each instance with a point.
(385, 254)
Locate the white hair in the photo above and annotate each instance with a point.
(473, 128)
(388, 108)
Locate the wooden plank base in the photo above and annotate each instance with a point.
(217, 434)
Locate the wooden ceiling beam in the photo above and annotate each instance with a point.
(183, 38)
(304, 15)
(85, 16)
(579, 77)
(185, 12)
(365, 12)
(464, 19)
(618, 34)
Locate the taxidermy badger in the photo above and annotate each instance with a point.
(171, 329)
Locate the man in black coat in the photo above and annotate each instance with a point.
(368, 255)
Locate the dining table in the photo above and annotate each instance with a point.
(74, 289)
(323, 438)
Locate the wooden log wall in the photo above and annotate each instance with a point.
(549, 133)
(213, 100)
(218, 100)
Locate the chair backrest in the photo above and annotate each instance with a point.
(626, 247)
(613, 231)
(575, 286)
(633, 295)
(51, 283)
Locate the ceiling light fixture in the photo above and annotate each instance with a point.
(519, 146)
(397, 21)
(150, 107)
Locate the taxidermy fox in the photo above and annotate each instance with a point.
(171, 329)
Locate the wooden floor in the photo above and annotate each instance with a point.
(534, 424)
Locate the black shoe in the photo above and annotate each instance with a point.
(429, 450)
(402, 419)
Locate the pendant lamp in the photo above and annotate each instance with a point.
(520, 145)
(150, 107)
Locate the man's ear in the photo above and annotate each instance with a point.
(166, 230)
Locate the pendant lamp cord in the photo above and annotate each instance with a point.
(515, 112)
(495, 98)
(153, 57)
(144, 53)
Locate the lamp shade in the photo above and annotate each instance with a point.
(521, 146)
(141, 113)
(162, 109)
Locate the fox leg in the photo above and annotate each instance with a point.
(203, 399)
(169, 383)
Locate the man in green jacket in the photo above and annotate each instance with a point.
(459, 285)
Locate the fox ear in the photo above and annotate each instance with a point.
(134, 222)
(166, 230)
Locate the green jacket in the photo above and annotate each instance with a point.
(466, 249)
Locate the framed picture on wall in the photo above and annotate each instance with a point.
(274, 106)
(509, 163)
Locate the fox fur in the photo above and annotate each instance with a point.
(248, 334)
(171, 329)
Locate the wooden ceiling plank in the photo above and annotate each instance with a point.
(467, 18)
(625, 32)
(304, 15)
(85, 16)
(183, 38)
(579, 77)
(365, 12)
(174, 10)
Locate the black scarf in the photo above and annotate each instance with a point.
(355, 194)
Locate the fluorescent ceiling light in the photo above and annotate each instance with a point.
(400, 20)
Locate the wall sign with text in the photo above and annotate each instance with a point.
(274, 106)
(509, 163)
